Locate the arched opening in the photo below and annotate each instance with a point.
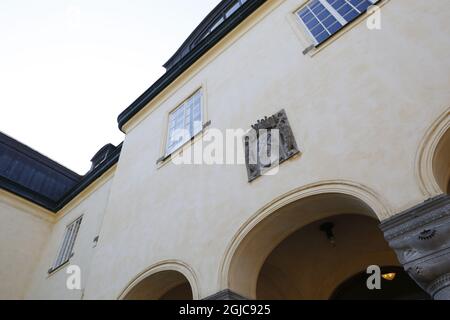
(396, 285)
(308, 248)
(441, 163)
(433, 158)
(164, 285)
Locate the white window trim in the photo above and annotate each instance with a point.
(165, 158)
(191, 134)
(344, 22)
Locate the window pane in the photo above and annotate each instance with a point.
(361, 5)
(350, 9)
(318, 30)
(66, 250)
(322, 21)
(232, 9)
(218, 23)
(187, 123)
(319, 21)
(322, 37)
(351, 15)
(312, 23)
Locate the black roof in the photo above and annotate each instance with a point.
(193, 49)
(202, 31)
(35, 177)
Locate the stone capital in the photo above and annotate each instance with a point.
(226, 295)
(420, 237)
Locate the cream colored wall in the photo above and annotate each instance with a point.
(359, 109)
(92, 208)
(24, 230)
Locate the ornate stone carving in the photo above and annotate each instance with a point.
(421, 239)
(261, 138)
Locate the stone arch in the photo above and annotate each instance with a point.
(163, 281)
(433, 157)
(258, 234)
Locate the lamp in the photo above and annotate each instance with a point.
(389, 276)
(327, 228)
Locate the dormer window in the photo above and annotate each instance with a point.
(324, 18)
(102, 155)
(225, 15)
(233, 8)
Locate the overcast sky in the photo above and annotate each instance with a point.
(69, 67)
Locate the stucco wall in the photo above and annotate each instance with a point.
(24, 230)
(358, 108)
(53, 286)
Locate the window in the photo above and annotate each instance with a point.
(225, 15)
(66, 250)
(323, 18)
(185, 122)
(233, 8)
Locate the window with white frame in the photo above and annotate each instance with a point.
(323, 18)
(66, 250)
(185, 122)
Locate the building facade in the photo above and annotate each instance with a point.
(360, 91)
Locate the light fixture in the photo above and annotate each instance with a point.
(327, 228)
(389, 276)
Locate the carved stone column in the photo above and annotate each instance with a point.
(421, 239)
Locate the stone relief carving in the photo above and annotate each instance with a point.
(261, 139)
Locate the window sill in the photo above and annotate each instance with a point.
(164, 160)
(53, 271)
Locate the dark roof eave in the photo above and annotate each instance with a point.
(203, 27)
(199, 30)
(27, 194)
(90, 178)
(173, 73)
(38, 157)
(55, 206)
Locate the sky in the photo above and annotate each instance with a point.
(68, 68)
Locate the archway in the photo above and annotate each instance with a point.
(305, 249)
(441, 163)
(165, 280)
(433, 158)
(311, 264)
(164, 285)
